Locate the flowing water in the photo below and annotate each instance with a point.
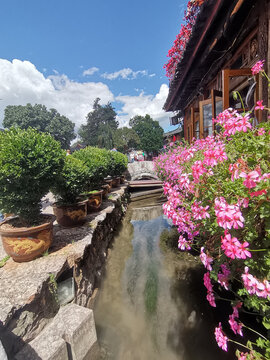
(151, 304)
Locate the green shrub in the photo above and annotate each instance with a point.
(98, 164)
(118, 163)
(29, 163)
(71, 181)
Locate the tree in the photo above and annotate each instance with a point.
(38, 117)
(125, 139)
(101, 124)
(149, 131)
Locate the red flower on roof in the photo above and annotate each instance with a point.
(176, 52)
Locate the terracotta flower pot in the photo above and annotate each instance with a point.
(94, 201)
(27, 243)
(71, 215)
(122, 179)
(109, 182)
(105, 190)
(115, 182)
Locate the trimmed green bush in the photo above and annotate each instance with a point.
(71, 181)
(98, 163)
(118, 163)
(29, 163)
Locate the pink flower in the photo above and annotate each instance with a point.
(235, 326)
(228, 216)
(261, 131)
(251, 178)
(221, 338)
(257, 67)
(183, 244)
(211, 299)
(207, 282)
(243, 356)
(233, 248)
(206, 260)
(198, 169)
(254, 286)
(223, 277)
(259, 106)
(258, 193)
(199, 212)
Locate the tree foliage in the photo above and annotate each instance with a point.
(149, 131)
(37, 116)
(125, 139)
(101, 124)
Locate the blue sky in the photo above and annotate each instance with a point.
(66, 53)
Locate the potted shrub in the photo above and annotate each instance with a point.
(70, 183)
(119, 164)
(97, 160)
(29, 163)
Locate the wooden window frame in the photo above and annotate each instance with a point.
(212, 100)
(226, 75)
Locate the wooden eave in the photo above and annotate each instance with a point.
(220, 28)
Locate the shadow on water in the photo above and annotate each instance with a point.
(152, 302)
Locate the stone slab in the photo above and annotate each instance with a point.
(71, 331)
(47, 348)
(80, 330)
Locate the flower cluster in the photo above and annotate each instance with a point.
(254, 286)
(233, 248)
(175, 54)
(218, 197)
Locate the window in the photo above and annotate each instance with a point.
(242, 81)
(209, 109)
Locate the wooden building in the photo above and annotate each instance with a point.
(229, 37)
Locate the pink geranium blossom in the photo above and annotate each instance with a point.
(221, 338)
(183, 244)
(243, 356)
(259, 106)
(235, 326)
(228, 216)
(211, 299)
(206, 260)
(261, 131)
(250, 179)
(258, 67)
(223, 276)
(233, 248)
(254, 286)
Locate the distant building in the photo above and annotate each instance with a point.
(228, 38)
(173, 136)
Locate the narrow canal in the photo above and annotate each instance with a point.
(152, 303)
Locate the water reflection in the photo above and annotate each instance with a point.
(151, 304)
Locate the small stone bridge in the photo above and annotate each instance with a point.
(139, 170)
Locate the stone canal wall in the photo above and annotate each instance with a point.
(45, 304)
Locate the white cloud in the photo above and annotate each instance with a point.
(126, 74)
(144, 104)
(90, 71)
(22, 83)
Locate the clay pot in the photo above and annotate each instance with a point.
(27, 243)
(71, 215)
(122, 179)
(116, 182)
(105, 190)
(109, 182)
(94, 201)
